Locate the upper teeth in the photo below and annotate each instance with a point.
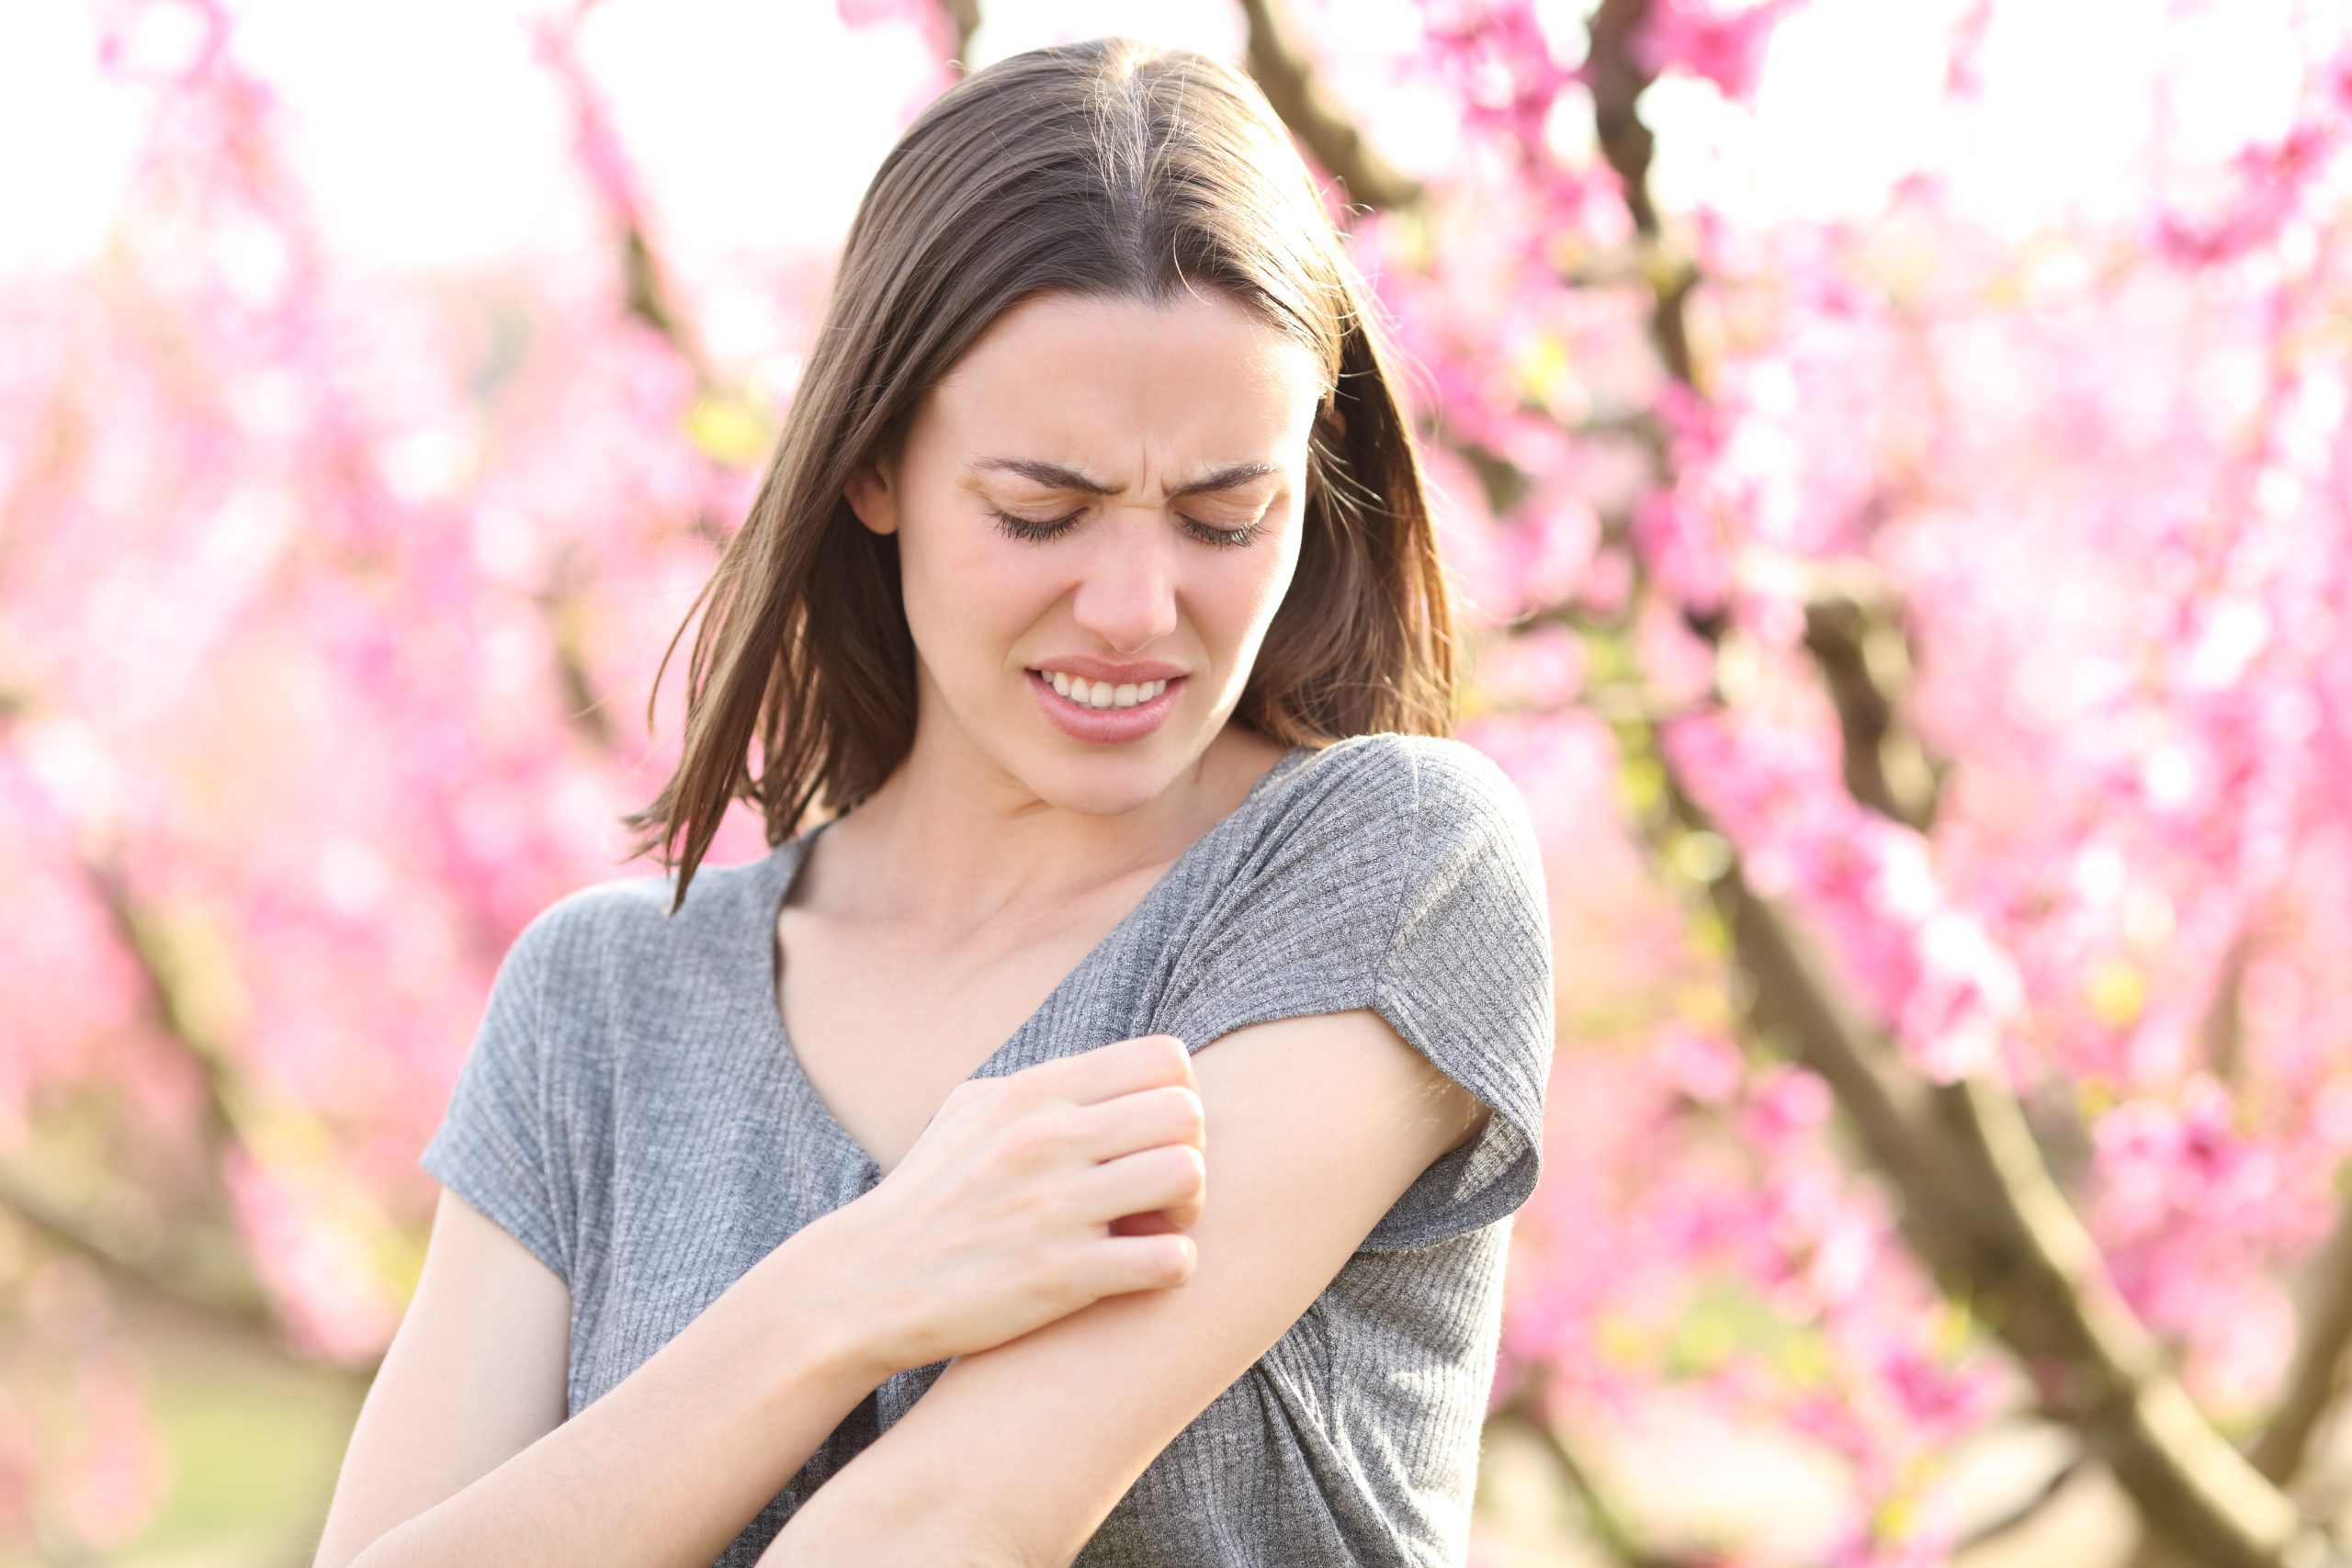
(1101, 694)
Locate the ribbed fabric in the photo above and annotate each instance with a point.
(632, 1111)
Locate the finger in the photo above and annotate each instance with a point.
(1115, 1264)
(1170, 1179)
(962, 1095)
(1147, 1061)
(1170, 1113)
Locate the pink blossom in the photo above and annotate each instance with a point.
(1714, 39)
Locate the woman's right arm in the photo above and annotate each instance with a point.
(1025, 1198)
(461, 1453)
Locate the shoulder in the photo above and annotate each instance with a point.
(1413, 785)
(603, 927)
(1358, 829)
(1451, 832)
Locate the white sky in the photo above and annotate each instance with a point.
(426, 141)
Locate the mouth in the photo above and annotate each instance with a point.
(1109, 725)
(1081, 695)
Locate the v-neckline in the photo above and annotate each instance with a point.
(783, 863)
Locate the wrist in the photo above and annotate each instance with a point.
(810, 1279)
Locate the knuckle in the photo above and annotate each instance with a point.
(1025, 1144)
(1189, 1165)
(1052, 1273)
(1194, 1114)
(1047, 1131)
(1061, 1275)
(1162, 1051)
(1039, 1209)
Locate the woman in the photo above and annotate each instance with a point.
(1093, 589)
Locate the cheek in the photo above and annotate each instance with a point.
(1004, 582)
(1258, 585)
(970, 595)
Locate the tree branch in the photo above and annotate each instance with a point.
(2020, 1235)
(964, 17)
(1885, 769)
(1288, 81)
(2026, 1512)
(1979, 1206)
(2322, 1351)
(1609, 1527)
(230, 1302)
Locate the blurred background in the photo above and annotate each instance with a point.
(1893, 461)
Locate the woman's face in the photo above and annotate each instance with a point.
(1158, 454)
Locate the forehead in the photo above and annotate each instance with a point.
(1070, 371)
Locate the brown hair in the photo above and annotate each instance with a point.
(1106, 169)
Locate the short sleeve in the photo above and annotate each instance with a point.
(492, 1147)
(1404, 877)
(1466, 980)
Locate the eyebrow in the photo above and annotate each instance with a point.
(1056, 476)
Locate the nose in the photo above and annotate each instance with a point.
(1126, 594)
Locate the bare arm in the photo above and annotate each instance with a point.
(1026, 1198)
(1016, 1454)
(663, 1472)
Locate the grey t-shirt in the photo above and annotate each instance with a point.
(632, 1111)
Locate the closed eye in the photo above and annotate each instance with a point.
(1023, 528)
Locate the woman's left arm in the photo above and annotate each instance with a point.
(1016, 1455)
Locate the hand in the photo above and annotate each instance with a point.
(1025, 1198)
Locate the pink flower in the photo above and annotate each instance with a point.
(1709, 40)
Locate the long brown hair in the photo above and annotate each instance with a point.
(1107, 168)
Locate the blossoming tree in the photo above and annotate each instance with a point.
(1919, 635)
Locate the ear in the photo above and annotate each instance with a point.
(872, 494)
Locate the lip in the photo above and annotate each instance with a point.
(1117, 674)
(1103, 725)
